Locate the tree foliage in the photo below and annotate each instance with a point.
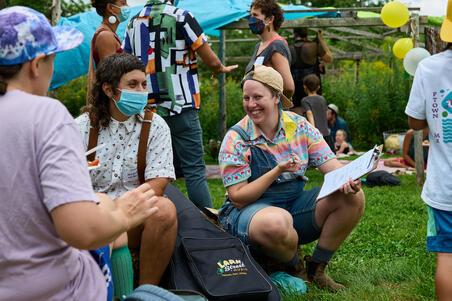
(68, 7)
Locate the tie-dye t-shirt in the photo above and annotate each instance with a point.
(431, 100)
(295, 134)
(165, 38)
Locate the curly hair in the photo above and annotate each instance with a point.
(270, 8)
(110, 70)
(101, 6)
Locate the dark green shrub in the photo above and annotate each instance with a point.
(72, 95)
(374, 104)
(209, 114)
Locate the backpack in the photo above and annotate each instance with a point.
(381, 178)
(207, 259)
(142, 146)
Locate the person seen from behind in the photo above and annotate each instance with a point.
(308, 57)
(50, 215)
(430, 105)
(314, 106)
(167, 39)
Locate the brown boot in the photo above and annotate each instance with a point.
(299, 271)
(316, 274)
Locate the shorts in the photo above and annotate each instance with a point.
(439, 230)
(237, 221)
(102, 257)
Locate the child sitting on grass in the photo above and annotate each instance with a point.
(341, 146)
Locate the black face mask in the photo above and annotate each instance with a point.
(256, 25)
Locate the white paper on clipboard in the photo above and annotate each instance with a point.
(354, 170)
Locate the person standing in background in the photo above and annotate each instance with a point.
(308, 57)
(105, 41)
(430, 105)
(315, 107)
(272, 51)
(166, 39)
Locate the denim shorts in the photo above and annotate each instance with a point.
(439, 230)
(237, 221)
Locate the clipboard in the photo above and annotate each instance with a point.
(354, 170)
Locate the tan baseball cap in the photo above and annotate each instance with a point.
(270, 77)
(333, 107)
(446, 28)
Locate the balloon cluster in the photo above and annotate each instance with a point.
(395, 14)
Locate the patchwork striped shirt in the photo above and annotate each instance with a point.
(294, 135)
(165, 38)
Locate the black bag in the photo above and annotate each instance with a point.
(209, 260)
(381, 178)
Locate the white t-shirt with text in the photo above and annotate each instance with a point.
(431, 100)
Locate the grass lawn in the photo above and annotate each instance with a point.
(385, 257)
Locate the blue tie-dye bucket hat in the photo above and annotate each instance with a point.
(26, 34)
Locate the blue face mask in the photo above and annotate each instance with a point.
(131, 102)
(124, 14)
(256, 25)
(175, 2)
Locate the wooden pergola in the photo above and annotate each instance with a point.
(348, 28)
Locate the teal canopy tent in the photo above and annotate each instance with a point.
(74, 63)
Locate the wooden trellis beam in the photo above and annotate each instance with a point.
(358, 32)
(323, 22)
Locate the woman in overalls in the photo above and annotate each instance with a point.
(263, 159)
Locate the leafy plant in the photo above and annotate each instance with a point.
(373, 104)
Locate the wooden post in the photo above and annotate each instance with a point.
(222, 86)
(357, 63)
(418, 135)
(55, 11)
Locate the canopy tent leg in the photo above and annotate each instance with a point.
(222, 86)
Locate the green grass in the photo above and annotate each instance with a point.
(385, 257)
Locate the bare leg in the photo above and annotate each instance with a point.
(337, 215)
(272, 229)
(443, 277)
(394, 162)
(155, 239)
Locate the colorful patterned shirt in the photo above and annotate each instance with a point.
(165, 38)
(294, 135)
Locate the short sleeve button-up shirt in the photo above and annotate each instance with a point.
(117, 173)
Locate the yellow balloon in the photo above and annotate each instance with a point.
(394, 14)
(401, 47)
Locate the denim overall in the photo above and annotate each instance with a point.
(286, 192)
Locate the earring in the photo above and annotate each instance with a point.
(112, 20)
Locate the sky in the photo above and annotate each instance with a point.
(428, 7)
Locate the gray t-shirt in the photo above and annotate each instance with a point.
(262, 58)
(42, 167)
(317, 104)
